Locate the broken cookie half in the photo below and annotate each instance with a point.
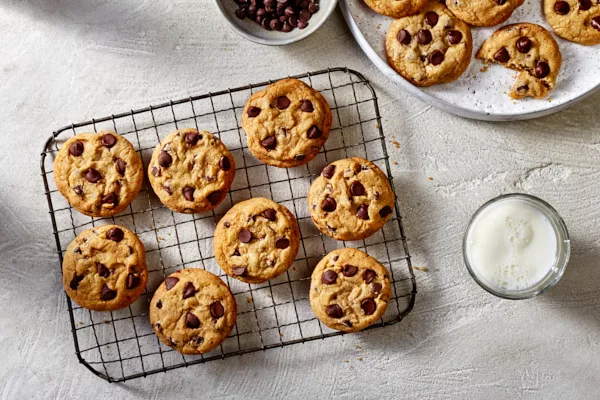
(529, 49)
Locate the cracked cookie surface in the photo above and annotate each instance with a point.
(104, 268)
(574, 20)
(349, 290)
(191, 171)
(483, 12)
(98, 173)
(287, 123)
(351, 199)
(396, 8)
(192, 311)
(256, 240)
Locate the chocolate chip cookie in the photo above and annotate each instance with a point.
(192, 311)
(396, 8)
(483, 12)
(256, 240)
(527, 48)
(349, 290)
(430, 47)
(575, 20)
(98, 173)
(287, 123)
(351, 199)
(104, 268)
(191, 171)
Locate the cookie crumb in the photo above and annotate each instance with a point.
(359, 358)
(430, 178)
(395, 163)
(249, 300)
(346, 361)
(424, 269)
(396, 144)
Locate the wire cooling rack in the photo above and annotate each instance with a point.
(121, 345)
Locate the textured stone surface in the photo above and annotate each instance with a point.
(72, 60)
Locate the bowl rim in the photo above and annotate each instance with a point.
(277, 41)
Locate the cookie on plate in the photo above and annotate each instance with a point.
(527, 48)
(349, 290)
(191, 171)
(192, 311)
(104, 268)
(430, 47)
(483, 12)
(396, 8)
(351, 199)
(256, 240)
(575, 20)
(287, 123)
(98, 173)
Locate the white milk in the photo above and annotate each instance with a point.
(511, 245)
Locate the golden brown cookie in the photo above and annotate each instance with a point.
(256, 240)
(575, 20)
(527, 48)
(191, 171)
(483, 12)
(192, 311)
(430, 47)
(396, 8)
(349, 290)
(287, 123)
(98, 173)
(351, 199)
(104, 268)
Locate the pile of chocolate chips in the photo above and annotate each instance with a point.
(278, 15)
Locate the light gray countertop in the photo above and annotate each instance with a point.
(66, 61)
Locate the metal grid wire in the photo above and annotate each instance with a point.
(121, 345)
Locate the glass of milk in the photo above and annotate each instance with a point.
(516, 246)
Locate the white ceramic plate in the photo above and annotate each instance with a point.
(254, 32)
(484, 95)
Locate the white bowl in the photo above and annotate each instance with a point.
(256, 33)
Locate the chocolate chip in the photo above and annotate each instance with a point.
(189, 290)
(170, 282)
(542, 70)
(224, 163)
(75, 281)
(164, 159)
(500, 2)
(299, 157)
(214, 198)
(236, 253)
(253, 111)
(524, 45)
(377, 288)
(245, 236)
(159, 304)
(502, 55)
(269, 142)
(115, 234)
(191, 321)
(275, 24)
(357, 189)
(269, 214)
(562, 7)
(436, 58)
(78, 190)
(304, 15)
(368, 306)
(431, 18)
(347, 323)
(293, 20)
(585, 5)
(349, 270)
(404, 37)
(109, 140)
(241, 14)
(111, 198)
(167, 189)
(188, 193)
(307, 106)
(424, 37)
(239, 271)
(76, 148)
(282, 243)
(302, 24)
(192, 138)
(120, 165)
(216, 310)
(107, 293)
(596, 23)
(368, 275)
(363, 212)
(102, 270)
(328, 171)
(314, 132)
(198, 340)
(329, 277)
(335, 258)
(523, 89)
(156, 172)
(329, 204)
(133, 281)
(454, 36)
(77, 250)
(313, 7)
(92, 175)
(282, 102)
(334, 311)
(385, 211)
(286, 27)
